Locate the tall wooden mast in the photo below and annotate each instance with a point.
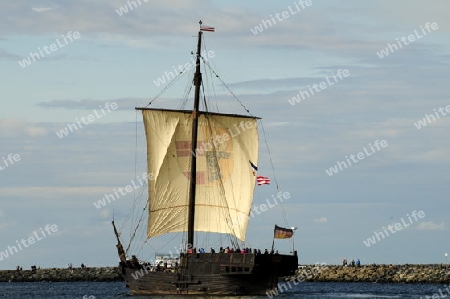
(197, 84)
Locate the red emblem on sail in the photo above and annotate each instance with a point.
(214, 152)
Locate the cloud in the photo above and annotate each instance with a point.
(91, 104)
(41, 9)
(80, 16)
(8, 56)
(235, 23)
(60, 232)
(430, 225)
(13, 127)
(321, 220)
(56, 192)
(270, 84)
(6, 225)
(105, 214)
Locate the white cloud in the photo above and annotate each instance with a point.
(105, 214)
(13, 127)
(60, 232)
(321, 220)
(6, 55)
(41, 9)
(56, 192)
(5, 225)
(430, 225)
(35, 131)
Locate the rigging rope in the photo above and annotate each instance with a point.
(135, 202)
(283, 210)
(264, 134)
(232, 238)
(187, 92)
(204, 98)
(226, 86)
(135, 160)
(167, 86)
(137, 226)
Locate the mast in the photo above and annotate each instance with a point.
(197, 84)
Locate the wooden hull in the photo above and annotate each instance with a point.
(212, 274)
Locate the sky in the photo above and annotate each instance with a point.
(393, 60)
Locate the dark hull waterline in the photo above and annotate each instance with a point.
(212, 274)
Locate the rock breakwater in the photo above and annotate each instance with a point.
(439, 274)
(55, 274)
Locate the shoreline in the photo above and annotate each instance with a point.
(380, 273)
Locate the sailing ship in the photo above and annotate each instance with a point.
(204, 178)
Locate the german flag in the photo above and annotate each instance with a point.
(282, 233)
(207, 28)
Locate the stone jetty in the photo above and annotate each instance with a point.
(55, 274)
(439, 274)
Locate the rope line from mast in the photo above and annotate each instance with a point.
(187, 90)
(283, 210)
(167, 86)
(232, 239)
(138, 200)
(209, 83)
(135, 162)
(132, 209)
(264, 135)
(137, 226)
(228, 88)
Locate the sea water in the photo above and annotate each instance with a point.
(97, 290)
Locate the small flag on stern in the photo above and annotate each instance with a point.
(282, 233)
(262, 180)
(207, 28)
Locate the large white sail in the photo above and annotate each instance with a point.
(225, 180)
